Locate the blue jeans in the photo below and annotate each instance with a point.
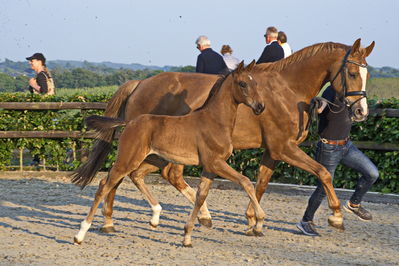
(330, 156)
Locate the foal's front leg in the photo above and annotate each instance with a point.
(202, 193)
(174, 174)
(266, 169)
(221, 168)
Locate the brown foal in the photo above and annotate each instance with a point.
(203, 137)
(288, 86)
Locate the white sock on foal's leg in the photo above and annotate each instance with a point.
(156, 212)
(84, 227)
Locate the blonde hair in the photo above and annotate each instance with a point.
(282, 37)
(50, 81)
(226, 49)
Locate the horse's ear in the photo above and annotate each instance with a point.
(355, 47)
(240, 67)
(369, 49)
(251, 65)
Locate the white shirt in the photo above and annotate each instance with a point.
(231, 61)
(287, 49)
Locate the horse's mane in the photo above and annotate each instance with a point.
(214, 90)
(303, 54)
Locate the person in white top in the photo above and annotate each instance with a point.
(282, 40)
(231, 61)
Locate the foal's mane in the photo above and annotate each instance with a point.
(303, 54)
(215, 88)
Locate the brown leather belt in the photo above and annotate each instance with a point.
(334, 142)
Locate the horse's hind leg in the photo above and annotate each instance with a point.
(131, 153)
(174, 174)
(106, 184)
(266, 169)
(138, 179)
(107, 210)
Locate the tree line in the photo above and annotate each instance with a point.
(81, 77)
(14, 76)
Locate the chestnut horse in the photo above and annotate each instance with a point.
(203, 137)
(288, 86)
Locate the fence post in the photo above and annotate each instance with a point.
(21, 159)
(74, 150)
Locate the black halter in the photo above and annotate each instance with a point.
(343, 71)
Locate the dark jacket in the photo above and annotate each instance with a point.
(42, 82)
(210, 62)
(335, 121)
(272, 52)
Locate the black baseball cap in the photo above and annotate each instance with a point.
(37, 56)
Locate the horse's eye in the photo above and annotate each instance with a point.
(242, 84)
(352, 75)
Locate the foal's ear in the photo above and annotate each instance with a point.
(251, 65)
(240, 67)
(369, 49)
(355, 47)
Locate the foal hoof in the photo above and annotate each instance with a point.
(253, 232)
(205, 222)
(258, 233)
(250, 232)
(76, 241)
(187, 245)
(153, 226)
(108, 229)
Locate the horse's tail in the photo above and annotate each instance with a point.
(101, 123)
(85, 174)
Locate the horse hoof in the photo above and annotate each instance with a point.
(108, 229)
(250, 232)
(187, 245)
(258, 233)
(205, 222)
(336, 222)
(153, 226)
(76, 241)
(338, 226)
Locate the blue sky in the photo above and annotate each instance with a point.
(163, 32)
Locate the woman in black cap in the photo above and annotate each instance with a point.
(43, 82)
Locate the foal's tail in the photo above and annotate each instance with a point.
(101, 123)
(85, 174)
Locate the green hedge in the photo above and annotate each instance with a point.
(55, 151)
(52, 150)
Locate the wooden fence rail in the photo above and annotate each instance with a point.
(388, 112)
(52, 105)
(369, 145)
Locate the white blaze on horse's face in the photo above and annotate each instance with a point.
(363, 75)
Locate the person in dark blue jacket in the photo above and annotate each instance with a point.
(209, 61)
(273, 51)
